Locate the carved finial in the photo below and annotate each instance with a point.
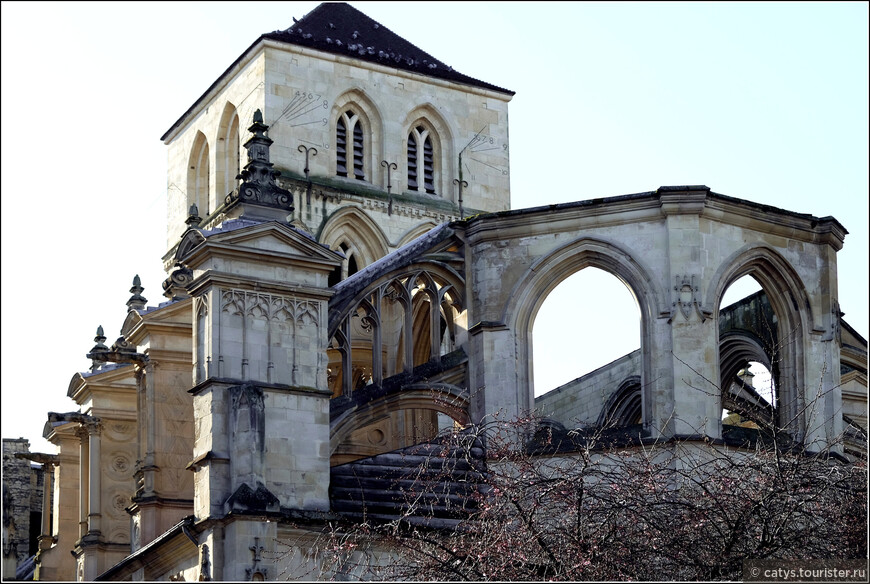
(259, 186)
(137, 301)
(100, 347)
(193, 218)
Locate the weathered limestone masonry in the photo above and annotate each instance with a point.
(301, 91)
(260, 292)
(17, 491)
(362, 284)
(163, 489)
(107, 444)
(55, 562)
(677, 249)
(580, 402)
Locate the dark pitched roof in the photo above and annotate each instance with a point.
(341, 29)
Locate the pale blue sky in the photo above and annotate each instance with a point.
(761, 101)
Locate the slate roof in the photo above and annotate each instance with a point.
(341, 29)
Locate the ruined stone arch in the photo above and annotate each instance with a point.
(442, 398)
(356, 101)
(361, 236)
(790, 302)
(227, 152)
(199, 177)
(548, 271)
(428, 117)
(624, 407)
(736, 350)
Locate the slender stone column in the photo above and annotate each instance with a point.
(149, 465)
(45, 539)
(83, 481)
(94, 515)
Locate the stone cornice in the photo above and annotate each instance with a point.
(226, 280)
(81, 384)
(652, 207)
(250, 254)
(774, 221)
(137, 335)
(158, 316)
(594, 212)
(160, 356)
(227, 382)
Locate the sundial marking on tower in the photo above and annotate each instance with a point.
(482, 144)
(305, 109)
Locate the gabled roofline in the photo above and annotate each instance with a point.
(436, 69)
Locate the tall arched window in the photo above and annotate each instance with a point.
(349, 141)
(227, 154)
(421, 161)
(198, 175)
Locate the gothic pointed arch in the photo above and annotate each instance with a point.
(416, 232)
(227, 152)
(790, 303)
(357, 137)
(736, 351)
(199, 176)
(542, 277)
(357, 235)
(624, 406)
(428, 152)
(443, 398)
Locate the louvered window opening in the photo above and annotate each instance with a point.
(341, 148)
(412, 162)
(428, 161)
(358, 152)
(428, 166)
(356, 147)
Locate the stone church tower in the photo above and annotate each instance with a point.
(349, 142)
(320, 150)
(346, 279)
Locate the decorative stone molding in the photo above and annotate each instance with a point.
(256, 569)
(175, 286)
(686, 299)
(264, 306)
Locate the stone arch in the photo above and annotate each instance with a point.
(370, 116)
(227, 152)
(198, 176)
(790, 302)
(443, 398)
(416, 232)
(548, 271)
(361, 235)
(410, 303)
(428, 116)
(624, 407)
(736, 350)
